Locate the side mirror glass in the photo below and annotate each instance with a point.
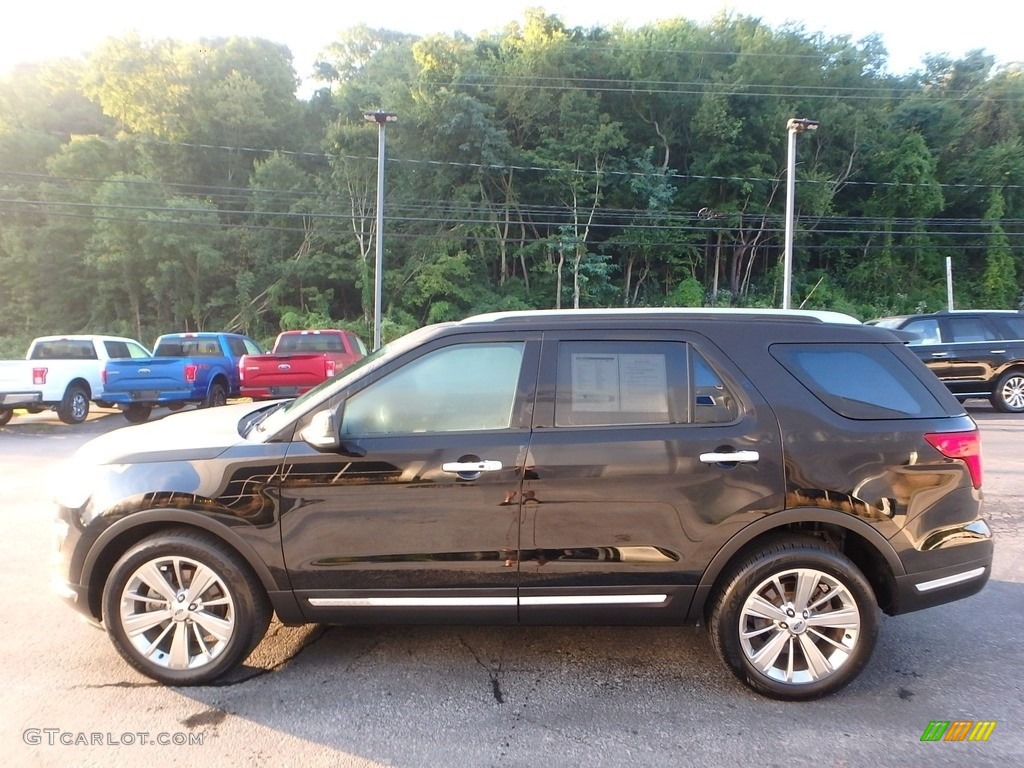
(322, 432)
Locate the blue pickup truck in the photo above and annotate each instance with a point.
(200, 368)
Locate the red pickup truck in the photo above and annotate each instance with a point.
(299, 361)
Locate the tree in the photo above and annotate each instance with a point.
(999, 289)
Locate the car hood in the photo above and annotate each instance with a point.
(202, 434)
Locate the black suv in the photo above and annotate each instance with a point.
(779, 476)
(977, 353)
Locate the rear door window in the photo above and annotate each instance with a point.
(618, 383)
(859, 381)
(117, 349)
(970, 329)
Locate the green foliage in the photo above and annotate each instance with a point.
(163, 185)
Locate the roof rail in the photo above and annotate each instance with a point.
(822, 316)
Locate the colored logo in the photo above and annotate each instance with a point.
(958, 730)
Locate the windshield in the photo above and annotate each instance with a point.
(274, 420)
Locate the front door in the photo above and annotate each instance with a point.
(418, 512)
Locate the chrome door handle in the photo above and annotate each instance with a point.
(998, 352)
(730, 457)
(940, 354)
(463, 467)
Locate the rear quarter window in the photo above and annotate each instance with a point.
(863, 381)
(1014, 327)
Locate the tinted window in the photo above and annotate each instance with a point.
(123, 349)
(713, 402)
(1015, 327)
(237, 346)
(463, 387)
(64, 349)
(116, 349)
(970, 329)
(862, 382)
(926, 330)
(311, 342)
(188, 347)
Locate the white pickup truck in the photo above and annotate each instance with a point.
(63, 373)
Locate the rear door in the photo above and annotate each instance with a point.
(646, 454)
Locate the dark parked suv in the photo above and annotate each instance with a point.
(976, 353)
(782, 477)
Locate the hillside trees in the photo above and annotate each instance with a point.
(161, 185)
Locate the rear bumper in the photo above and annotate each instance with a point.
(15, 399)
(150, 397)
(945, 583)
(273, 393)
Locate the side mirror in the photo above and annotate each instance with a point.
(322, 432)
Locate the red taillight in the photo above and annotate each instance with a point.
(39, 376)
(190, 372)
(241, 370)
(965, 446)
(103, 377)
(331, 367)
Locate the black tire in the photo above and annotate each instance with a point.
(137, 413)
(74, 407)
(217, 396)
(5, 415)
(181, 638)
(1008, 396)
(783, 645)
(177, 406)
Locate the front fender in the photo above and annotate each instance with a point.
(260, 549)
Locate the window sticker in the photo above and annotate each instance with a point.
(614, 383)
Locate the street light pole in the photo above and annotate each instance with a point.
(794, 126)
(381, 118)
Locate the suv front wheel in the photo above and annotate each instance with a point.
(1008, 395)
(183, 609)
(795, 620)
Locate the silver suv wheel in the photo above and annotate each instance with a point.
(183, 609)
(795, 619)
(1009, 393)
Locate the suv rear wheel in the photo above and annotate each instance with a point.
(1008, 396)
(795, 620)
(183, 609)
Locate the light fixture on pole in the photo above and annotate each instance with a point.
(381, 118)
(794, 126)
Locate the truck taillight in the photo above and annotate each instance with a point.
(331, 367)
(965, 446)
(103, 377)
(39, 376)
(191, 370)
(241, 370)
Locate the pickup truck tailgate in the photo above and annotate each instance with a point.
(143, 379)
(283, 374)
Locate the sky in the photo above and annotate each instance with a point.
(33, 31)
